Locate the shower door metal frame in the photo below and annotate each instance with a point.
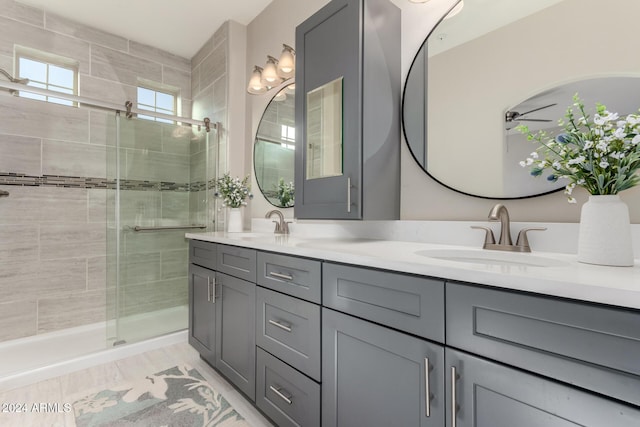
(129, 111)
(127, 107)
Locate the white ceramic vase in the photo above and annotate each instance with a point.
(605, 232)
(234, 220)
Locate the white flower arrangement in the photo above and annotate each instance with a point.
(286, 193)
(233, 191)
(602, 155)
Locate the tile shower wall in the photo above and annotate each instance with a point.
(53, 234)
(209, 86)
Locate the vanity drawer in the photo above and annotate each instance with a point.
(298, 277)
(592, 346)
(284, 394)
(237, 262)
(289, 329)
(202, 254)
(409, 303)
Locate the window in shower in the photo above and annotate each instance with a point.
(159, 101)
(47, 72)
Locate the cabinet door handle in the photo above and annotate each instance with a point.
(208, 289)
(427, 389)
(280, 395)
(454, 405)
(211, 297)
(281, 276)
(280, 325)
(349, 194)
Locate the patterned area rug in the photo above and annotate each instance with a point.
(179, 396)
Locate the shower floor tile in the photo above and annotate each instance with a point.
(61, 389)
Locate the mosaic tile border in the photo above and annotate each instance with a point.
(99, 183)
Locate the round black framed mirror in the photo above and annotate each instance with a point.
(494, 58)
(274, 149)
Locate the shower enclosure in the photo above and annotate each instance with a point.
(95, 204)
(162, 174)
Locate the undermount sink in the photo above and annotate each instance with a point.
(487, 257)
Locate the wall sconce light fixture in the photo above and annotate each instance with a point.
(255, 82)
(274, 72)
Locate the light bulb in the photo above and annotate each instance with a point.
(287, 62)
(255, 83)
(270, 76)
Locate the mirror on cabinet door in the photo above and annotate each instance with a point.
(496, 57)
(274, 149)
(324, 130)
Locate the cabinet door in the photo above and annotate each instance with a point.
(236, 332)
(328, 50)
(486, 394)
(375, 376)
(202, 312)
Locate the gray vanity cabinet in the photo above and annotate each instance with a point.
(348, 152)
(488, 394)
(235, 332)
(202, 312)
(570, 341)
(375, 376)
(222, 310)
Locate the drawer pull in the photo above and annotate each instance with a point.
(454, 405)
(349, 194)
(211, 290)
(281, 276)
(280, 325)
(427, 389)
(280, 395)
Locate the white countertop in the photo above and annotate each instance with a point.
(619, 286)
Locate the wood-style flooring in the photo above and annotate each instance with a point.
(64, 389)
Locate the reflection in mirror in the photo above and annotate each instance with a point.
(541, 112)
(274, 149)
(324, 130)
(474, 71)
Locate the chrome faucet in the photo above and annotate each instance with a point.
(500, 213)
(282, 226)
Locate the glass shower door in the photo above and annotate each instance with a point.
(162, 173)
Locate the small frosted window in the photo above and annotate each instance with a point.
(157, 101)
(288, 133)
(45, 75)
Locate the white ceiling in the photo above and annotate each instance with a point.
(177, 26)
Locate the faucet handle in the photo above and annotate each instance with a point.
(523, 240)
(285, 227)
(489, 238)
